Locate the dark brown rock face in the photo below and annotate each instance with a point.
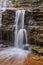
(27, 17)
(8, 19)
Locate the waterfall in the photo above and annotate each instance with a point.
(0, 19)
(21, 38)
(19, 24)
(4, 4)
(16, 25)
(0, 26)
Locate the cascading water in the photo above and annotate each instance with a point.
(19, 19)
(4, 4)
(0, 26)
(0, 19)
(16, 26)
(20, 32)
(21, 38)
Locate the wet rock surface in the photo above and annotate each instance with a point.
(8, 20)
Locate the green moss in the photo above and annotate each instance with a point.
(16, 3)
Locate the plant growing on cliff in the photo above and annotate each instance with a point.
(16, 3)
